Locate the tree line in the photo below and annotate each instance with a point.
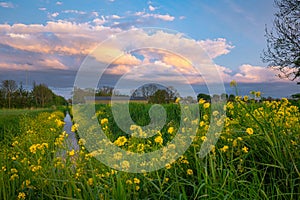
(13, 95)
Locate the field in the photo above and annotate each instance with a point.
(256, 156)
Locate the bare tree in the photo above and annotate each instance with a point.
(283, 41)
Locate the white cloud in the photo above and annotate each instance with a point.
(217, 47)
(75, 12)
(95, 14)
(13, 35)
(59, 3)
(151, 8)
(54, 14)
(255, 74)
(165, 17)
(6, 5)
(182, 17)
(99, 21)
(115, 17)
(42, 9)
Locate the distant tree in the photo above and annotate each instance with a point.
(296, 96)
(224, 96)
(216, 98)
(283, 42)
(43, 95)
(145, 91)
(203, 96)
(8, 87)
(159, 97)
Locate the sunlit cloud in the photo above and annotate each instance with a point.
(6, 5)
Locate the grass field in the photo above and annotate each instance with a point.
(256, 157)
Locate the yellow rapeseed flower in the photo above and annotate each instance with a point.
(137, 188)
(136, 181)
(159, 140)
(171, 130)
(71, 153)
(224, 148)
(206, 105)
(201, 101)
(14, 176)
(90, 181)
(21, 195)
(245, 149)
(104, 121)
(189, 172)
(233, 83)
(129, 182)
(168, 166)
(120, 141)
(74, 127)
(249, 131)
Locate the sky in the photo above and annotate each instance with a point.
(50, 41)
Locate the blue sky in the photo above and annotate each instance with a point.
(53, 37)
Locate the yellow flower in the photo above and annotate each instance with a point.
(249, 131)
(137, 188)
(125, 164)
(118, 155)
(14, 176)
(189, 172)
(203, 138)
(201, 101)
(120, 141)
(233, 83)
(202, 123)
(167, 179)
(245, 149)
(224, 148)
(177, 100)
(81, 141)
(168, 166)
(257, 94)
(104, 121)
(129, 182)
(246, 98)
(206, 105)
(13, 170)
(74, 127)
(21, 195)
(136, 181)
(215, 113)
(171, 130)
(71, 153)
(159, 140)
(15, 143)
(90, 181)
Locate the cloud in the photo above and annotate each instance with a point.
(151, 8)
(182, 17)
(255, 74)
(217, 47)
(99, 21)
(42, 9)
(6, 5)
(115, 17)
(59, 3)
(165, 17)
(74, 11)
(54, 14)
